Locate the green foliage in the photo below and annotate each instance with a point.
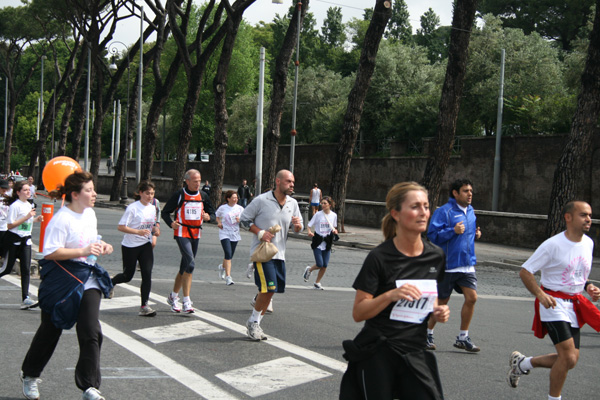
(399, 27)
(333, 31)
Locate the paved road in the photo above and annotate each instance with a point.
(206, 354)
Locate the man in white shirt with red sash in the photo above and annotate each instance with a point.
(565, 261)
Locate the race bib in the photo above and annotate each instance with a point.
(417, 310)
(26, 227)
(193, 211)
(233, 218)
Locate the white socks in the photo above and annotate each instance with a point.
(554, 398)
(429, 331)
(525, 365)
(463, 335)
(186, 299)
(255, 317)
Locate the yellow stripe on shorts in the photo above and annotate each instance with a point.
(261, 276)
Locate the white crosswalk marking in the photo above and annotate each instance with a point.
(268, 377)
(183, 330)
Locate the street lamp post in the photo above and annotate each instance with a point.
(113, 49)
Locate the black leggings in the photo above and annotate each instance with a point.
(131, 256)
(21, 251)
(89, 336)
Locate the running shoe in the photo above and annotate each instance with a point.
(111, 293)
(187, 307)
(146, 311)
(221, 272)
(306, 274)
(30, 387)
(28, 303)
(255, 332)
(229, 281)
(515, 371)
(317, 286)
(430, 344)
(173, 301)
(250, 270)
(466, 344)
(92, 394)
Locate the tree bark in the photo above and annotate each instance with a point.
(221, 117)
(576, 154)
(437, 163)
(356, 101)
(273, 132)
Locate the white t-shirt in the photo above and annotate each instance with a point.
(229, 219)
(138, 216)
(3, 215)
(565, 266)
(18, 210)
(321, 226)
(71, 230)
(32, 191)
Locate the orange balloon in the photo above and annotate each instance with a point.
(56, 171)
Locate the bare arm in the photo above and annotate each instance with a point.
(366, 306)
(531, 284)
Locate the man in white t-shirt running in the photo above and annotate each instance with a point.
(565, 261)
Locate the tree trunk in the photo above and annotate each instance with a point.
(356, 101)
(437, 163)
(221, 117)
(273, 133)
(576, 154)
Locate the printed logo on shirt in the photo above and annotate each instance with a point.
(432, 270)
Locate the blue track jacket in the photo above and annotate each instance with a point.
(459, 249)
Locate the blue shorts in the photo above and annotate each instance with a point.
(228, 248)
(454, 281)
(270, 276)
(314, 204)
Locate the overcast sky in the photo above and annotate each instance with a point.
(265, 10)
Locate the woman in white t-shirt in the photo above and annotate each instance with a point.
(140, 226)
(19, 220)
(71, 247)
(228, 221)
(324, 223)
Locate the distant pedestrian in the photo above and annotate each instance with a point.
(3, 217)
(70, 240)
(228, 221)
(20, 219)
(206, 187)
(32, 193)
(324, 224)
(565, 262)
(139, 223)
(109, 164)
(454, 228)
(244, 193)
(396, 294)
(315, 199)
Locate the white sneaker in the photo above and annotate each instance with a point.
(92, 394)
(28, 303)
(317, 286)
(250, 270)
(174, 303)
(255, 332)
(30, 387)
(146, 311)
(222, 272)
(306, 274)
(229, 281)
(515, 372)
(187, 307)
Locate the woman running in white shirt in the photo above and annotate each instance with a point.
(20, 218)
(324, 224)
(228, 221)
(139, 223)
(71, 247)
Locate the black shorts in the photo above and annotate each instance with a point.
(559, 331)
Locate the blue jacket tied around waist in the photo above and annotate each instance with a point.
(459, 249)
(61, 289)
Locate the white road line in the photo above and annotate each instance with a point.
(241, 329)
(181, 374)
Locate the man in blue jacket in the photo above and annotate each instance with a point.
(453, 227)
